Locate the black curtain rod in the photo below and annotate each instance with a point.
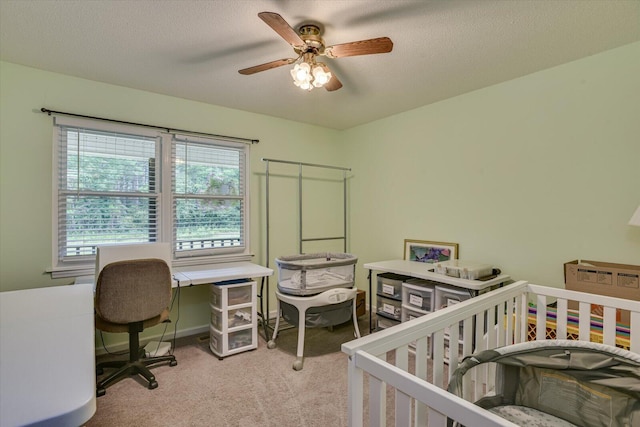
(50, 112)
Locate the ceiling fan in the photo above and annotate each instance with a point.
(308, 44)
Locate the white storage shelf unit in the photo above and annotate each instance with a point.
(234, 323)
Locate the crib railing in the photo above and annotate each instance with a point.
(406, 367)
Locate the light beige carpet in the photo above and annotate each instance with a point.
(255, 388)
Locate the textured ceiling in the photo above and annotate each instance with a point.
(194, 49)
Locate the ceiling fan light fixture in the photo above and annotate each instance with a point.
(301, 72)
(307, 76)
(307, 43)
(320, 76)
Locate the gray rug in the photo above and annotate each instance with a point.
(255, 388)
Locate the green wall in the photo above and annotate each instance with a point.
(26, 164)
(525, 175)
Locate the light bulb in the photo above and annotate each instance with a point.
(321, 77)
(302, 71)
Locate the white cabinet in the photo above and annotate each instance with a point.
(234, 325)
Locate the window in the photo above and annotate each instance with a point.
(124, 184)
(208, 196)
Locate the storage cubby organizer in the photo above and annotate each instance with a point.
(233, 327)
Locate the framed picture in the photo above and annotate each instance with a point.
(429, 252)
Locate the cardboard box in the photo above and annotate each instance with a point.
(603, 278)
(361, 304)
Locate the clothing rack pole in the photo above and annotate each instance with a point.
(263, 315)
(300, 208)
(306, 164)
(344, 210)
(168, 129)
(265, 318)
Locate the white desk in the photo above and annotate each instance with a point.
(214, 273)
(206, 274)
(421, 270)
(47, 356)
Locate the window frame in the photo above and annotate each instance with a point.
(165, 197)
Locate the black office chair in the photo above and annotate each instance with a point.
(131, 296)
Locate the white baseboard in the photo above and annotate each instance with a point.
(123, 346)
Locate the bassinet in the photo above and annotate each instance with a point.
(406, 367)
(311, 274)
(315, 290)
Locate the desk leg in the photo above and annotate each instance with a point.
(371, 328)
(264, 318)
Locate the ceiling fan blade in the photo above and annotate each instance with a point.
(280, 26)
(362, 47)
(334, 83)
(267, 66)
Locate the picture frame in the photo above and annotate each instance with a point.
(429, 251)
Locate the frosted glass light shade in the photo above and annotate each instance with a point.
(320, 77)
(307, 77)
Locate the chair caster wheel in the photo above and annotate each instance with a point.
(173, 363)
(297, 365)
(271, 344)
(100, 392)
(153, 384)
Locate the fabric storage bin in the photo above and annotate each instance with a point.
(447, 295)
(390, 285)
(389, 307)
(319, 317)
(418, 295)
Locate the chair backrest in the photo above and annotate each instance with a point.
(133, 290)
(106, 254)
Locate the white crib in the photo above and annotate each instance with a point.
(406, 367)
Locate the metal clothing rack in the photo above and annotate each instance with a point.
(301, 239)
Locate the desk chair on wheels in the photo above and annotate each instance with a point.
(132, 295)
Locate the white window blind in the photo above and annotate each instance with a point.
(209, 196)
(108, 190)
(118, 184)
